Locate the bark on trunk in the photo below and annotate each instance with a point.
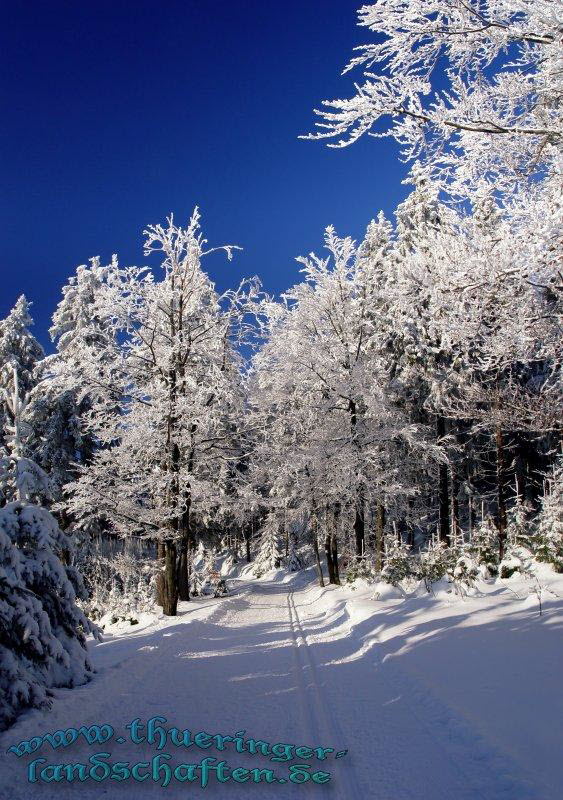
(184, 560)
(330, 546)
(471, 510)
(183, 573)
(359, 520)
(170, 587)
(160, 554)
(315, 540)
(328, 554)
(360, 529)
(334, 544)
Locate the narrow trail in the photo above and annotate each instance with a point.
(282, 663)
(319, 705)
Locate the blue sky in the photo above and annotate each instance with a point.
(118, 113)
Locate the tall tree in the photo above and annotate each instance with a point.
(171, 444)
(20, 350)
(334, 436)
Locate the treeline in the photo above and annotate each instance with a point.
(407, 390)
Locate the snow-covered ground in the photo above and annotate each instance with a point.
(433, 696)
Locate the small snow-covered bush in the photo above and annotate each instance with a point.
(398, 561)
(196, 583)
(220, 588)
(360, 568)
(547, 542)
(466, 570)
(437, 561)
(198, 570)
(518, 527)
(483, 547)
(517, 559)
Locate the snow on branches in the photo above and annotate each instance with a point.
(472, 86)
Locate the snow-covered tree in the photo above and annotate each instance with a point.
(336, 439)
(398, 563)
(18, 349)
(83, 330)
(436, 561)
(472, 86)
(57, 439)
(548, 540)
(21, 478)
(42, 629)
(119, 575)
(484, 547)
(270, 553)
(169, 418)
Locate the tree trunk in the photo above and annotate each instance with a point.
(359, 520)
(501, 498)
(183, 574)
(360, 528)
(247, 530)
(328, 554)
(329, 533)
(471, 510)
(170, 587)
(444, 489)
(379, 535)
(160, 554)
(471, 514)
(183, 561)
(315, 541)
(334, 544)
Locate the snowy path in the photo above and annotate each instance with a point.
(285, 663)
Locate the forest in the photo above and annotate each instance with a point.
(393, 418)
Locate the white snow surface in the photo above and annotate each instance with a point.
(434, 697)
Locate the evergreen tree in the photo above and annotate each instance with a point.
(42, 629)
(398, 562)
(21, 350)
(57, 440)
(548, 540)
(270, 554)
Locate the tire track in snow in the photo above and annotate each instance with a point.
(306, 707)
(350, 789)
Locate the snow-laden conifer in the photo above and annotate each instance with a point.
(42, 629)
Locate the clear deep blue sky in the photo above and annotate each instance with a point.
(117, 112)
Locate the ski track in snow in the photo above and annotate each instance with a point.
(283, 662)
